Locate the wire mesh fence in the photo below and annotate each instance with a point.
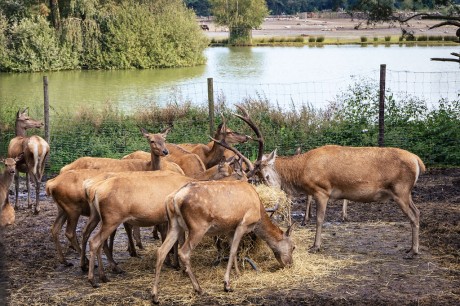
(291, 115)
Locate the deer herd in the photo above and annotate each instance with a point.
(186, 191)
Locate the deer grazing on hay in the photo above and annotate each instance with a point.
(35, 150)
(363, 174)
(215, 208)
(138, 201)
(7, 215)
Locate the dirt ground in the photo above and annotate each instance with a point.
(361, 261)
(343, 28)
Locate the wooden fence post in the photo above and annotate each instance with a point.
(211, 105)
(383, 69)
(46, 106)
(46, 109)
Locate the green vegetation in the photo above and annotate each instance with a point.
(352, 119)
(101, 35)
(240, 17)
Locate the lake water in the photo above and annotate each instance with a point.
(282, 75)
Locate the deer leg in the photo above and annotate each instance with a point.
(155, 232)
(95, 245)
(307, 211)
(16, 187)
(29, 205)
(37, 181)
(239, 232)
(71, 231)
(109, 254)
(55, 230)
(411, 211)
(321, 203)
(137, 237)
(129, 232)
(168, 243)
(185, 251)
(344, 210)
(91, 224)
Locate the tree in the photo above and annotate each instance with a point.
(384, 11)
(241, 16)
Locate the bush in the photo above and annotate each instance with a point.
(422, 38)
(435, 38)
(299, 39)
(363, 38)
(320, 39)
(451, 38)
(311, 39)
(376, 39)
(387, 38)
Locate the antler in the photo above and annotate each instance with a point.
(246, 118)
(234, 150)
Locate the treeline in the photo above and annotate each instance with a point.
(291, 7)
(92, 34)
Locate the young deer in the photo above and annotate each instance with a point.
(363, 174)
(6, 178)
(215, 208)
(35, 150)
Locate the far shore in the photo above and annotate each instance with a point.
(334, 31)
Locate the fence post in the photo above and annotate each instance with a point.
(46, 106)
(46, 109)
(211, 105)
(383, 69)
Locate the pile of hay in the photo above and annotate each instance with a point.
(275, 197)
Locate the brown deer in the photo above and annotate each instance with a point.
(6, 178)
(211, 153)
(308, 213)
(216, 208)
(157, 150)
(189, 162)
(363, 174)
(35, 150)
(137, 201)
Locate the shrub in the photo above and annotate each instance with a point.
(451, 38)
(376, 39)
(363, 38)
(311, 39)
(435, 38)
(320, 39)
(299, 39)
(387, 38)
(422, 38)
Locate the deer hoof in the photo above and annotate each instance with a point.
(411, 254)
(117, 270)
(313, 249)
(155, 299)
(36, 212)
(93, 283)
(67, 264)
(104, 279)
(227, 287)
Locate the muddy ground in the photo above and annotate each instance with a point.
(366, 260)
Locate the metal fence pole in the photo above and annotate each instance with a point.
(211, 105)
(383, 69)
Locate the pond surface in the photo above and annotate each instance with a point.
(284, 75)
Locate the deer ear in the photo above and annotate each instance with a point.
(270, 160)
(289, 230)
(144, 132)
(165, 132)
(19, 157)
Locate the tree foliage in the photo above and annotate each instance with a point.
(102, 35)
(241, 16)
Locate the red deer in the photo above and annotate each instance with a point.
(35, 150)
(365, 174)
(68, 193)
(7, 215)
(212, 153)
(157, 150)
(214, 208)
